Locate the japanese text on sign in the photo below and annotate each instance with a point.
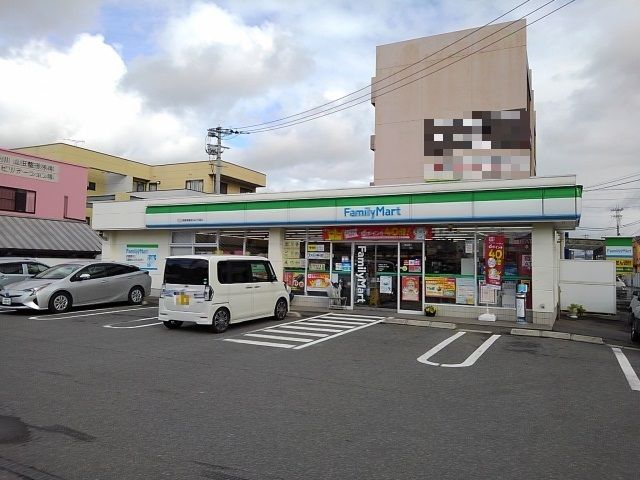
(494, 259)
(29, 168)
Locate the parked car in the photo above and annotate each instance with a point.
(217, 290)
(15, 269)
(77, 283)
(634, 316)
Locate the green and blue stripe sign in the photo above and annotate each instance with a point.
(508, 205)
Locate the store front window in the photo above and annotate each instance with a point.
(449, 269)
(219, 242)
(446, 266)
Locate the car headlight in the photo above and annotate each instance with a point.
(34, 290)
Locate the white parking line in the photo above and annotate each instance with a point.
(424, 358)
(115, 325)
(308, 334)
(252, 342)
(100, 311)
(323, 327)
(318, 324)
(279, 337)
(470, 360)
(336, 335)
(314, 329)
(627, 369)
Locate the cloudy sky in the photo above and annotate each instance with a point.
(144, 80)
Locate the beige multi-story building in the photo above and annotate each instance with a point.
(117, 178)
(456, 106)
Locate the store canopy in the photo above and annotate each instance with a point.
(21, 234)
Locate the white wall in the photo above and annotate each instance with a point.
(115, 183)
(276, 254)
(590, 283)
(544, 273)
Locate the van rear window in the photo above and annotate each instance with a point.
(187, 271)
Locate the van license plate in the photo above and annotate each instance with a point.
(6, 301)
(182, 299)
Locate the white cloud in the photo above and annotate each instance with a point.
(230, 63)
(51, 94)
(209, 59)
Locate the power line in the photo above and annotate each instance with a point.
(336, 109)
(614, 185)
(278, 120)
(624, 177)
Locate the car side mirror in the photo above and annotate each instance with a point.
(84, 276)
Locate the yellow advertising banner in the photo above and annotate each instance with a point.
(443, 287)
(624, 265)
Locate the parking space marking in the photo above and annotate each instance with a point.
(98, 311)
(116, 325)
(278, 337)
(627, 369)
(424, 358)
(308, 331)
(470, 360)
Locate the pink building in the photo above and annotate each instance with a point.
(40, 188)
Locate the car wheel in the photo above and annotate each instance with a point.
(136, 295)
(171, 324)
(220, 320)
(60, 302)
(281, 309)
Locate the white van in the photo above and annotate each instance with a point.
(217, 290)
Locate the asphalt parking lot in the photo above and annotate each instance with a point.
(107, 393)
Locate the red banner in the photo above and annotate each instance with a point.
(494, 259)
(377, 233)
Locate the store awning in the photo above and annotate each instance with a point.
(39, 234)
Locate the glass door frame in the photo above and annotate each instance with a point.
(422, 271)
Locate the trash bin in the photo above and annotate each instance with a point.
(521, 303)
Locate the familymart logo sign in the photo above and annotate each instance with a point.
(380, 212)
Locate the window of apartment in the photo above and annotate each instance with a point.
(197, 185)
(17, 200)
(65, 211)
(224, 188)
(245, 190)
(153, 186)
(91, 186)
(139, 186)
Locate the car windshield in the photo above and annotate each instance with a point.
(59, 271)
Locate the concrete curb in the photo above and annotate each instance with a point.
(559, 335)
(420, 323)
(523, 332)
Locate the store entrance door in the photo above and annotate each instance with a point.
(375, 275)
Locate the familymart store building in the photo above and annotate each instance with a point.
(459, 246)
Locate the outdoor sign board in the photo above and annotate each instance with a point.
(494, 259)
(143, 256)
(376, 233)
(620, 250)
(29, 167)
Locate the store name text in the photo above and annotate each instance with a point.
(361, 270)
(372, 212)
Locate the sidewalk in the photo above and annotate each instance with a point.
(592, 328)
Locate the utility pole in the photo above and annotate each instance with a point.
(214, 149)
(618, 216)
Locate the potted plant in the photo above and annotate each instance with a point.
(430, 311)
(576, 310)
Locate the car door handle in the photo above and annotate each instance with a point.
(104, 281)
(248, 287)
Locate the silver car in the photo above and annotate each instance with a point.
(15, 269)
(77, 283)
